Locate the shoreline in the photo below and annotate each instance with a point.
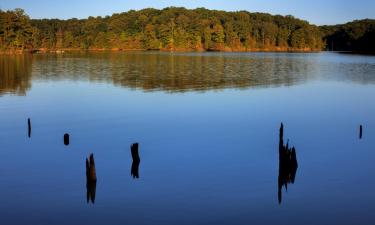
(70, 50)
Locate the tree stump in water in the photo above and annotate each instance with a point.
(66, 139)
(136, 160)
(90, 179)
(90, 168)
(29, 127)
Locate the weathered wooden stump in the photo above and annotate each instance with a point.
(136, 160)
(135, 169)
(90, 179)
(281, 132)
(90, 191)
(287, 164)
(90, 168)
(66, 139)
(134, 152)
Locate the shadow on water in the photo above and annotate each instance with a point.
(287, 164)
(136, 160)
(90, 179)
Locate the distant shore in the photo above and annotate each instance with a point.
(74, 50)
(69, 50)
(177, 29)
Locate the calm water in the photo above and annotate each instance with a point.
(207, 125)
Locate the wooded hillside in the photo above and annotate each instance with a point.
(167, 29)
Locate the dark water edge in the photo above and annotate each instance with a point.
(368, 53)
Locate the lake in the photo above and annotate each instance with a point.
(208, 127)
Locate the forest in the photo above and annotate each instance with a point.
(178, 29)
(357, 36)
(167, 29)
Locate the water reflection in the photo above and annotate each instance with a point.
(174, 72)
(181, 72)
(287, 164)
(15, 74)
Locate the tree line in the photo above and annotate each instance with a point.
(172, 28)
(167, 29)
(358, 36)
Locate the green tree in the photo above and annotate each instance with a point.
(297, 39)
(173, 28)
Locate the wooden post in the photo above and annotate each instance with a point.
(66, 139)
(29, 127)
(134, 152)
(287, 164)
(90, 179)
(281, 132)
(90, 168)
(360, 131)
(136, 160)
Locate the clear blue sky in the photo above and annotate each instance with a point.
(315, 11)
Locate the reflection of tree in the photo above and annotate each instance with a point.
(15, 74)
(202, 72)
(177, 72)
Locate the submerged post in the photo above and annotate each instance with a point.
(281, 141)
(90, 179)
(134, 152)
(66, 139)
(90, 168)
(134, 171)
(287, 164)
(29, 127)
(281, 132)
(360, 131)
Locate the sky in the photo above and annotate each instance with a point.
(319, 12)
